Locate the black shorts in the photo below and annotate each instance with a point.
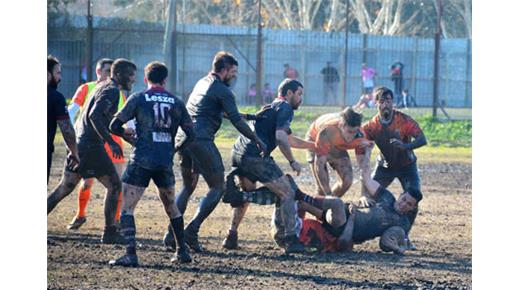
(139, 176)
(256, 168)
(202, 157)
(334, 231)
(95, 163)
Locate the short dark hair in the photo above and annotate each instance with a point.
(123, 67)
(51, 62)
(223, 60)
(288, 84)
(156, 72)
(104, 61)
(380, 92)
(351, 117)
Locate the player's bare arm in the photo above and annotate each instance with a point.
(99, 115)
(128, 134)
(299, 143)
(69, 135)
(370, 184)
(283, 143)
(320, 164)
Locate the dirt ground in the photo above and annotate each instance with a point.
(442, 234)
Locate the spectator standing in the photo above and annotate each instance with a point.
(267, 94)
(330, 83)
(367, 75)
(289, 72)
(397, 77)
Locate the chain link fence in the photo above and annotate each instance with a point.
(306, 51)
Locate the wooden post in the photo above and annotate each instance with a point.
(259, 57)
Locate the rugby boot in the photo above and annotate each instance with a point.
(169, 239)
(125, 261)
(112, 236)
(182, 256)
(293, 245)
(76, 223)
(192, 239)
(231, 241)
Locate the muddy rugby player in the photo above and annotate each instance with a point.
(210, 100)
(273, 127)
(93, 133)
(334, 134)
(80, 98)
(158, 116)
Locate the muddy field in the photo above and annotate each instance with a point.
(442, 234)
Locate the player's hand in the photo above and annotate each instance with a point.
(117, 151)
(72, 162)
(366, 201)
(130, 132)
(263, 148)
(398, 143)
(366, 144)
(352, 208)
(296, 167)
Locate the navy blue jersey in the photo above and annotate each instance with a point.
(158, 114)
(275, 116)
(371, 222)
(208, 102)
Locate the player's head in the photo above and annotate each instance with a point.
(393, 240)
(408, 200)
(123, 72)
(292, 91)
(53, 71)
(155, 73)
(384, 100)
(405, 92)
(226, 65)
(350, 123)
(103, 68)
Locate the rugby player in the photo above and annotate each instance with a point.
(334, 134)
(337, 225)
(57, 115)
(93, 133)
(210, 100)
(396, 135)
(82, 95)
(273, 128)
(158, 116)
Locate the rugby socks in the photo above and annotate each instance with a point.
(261, 196)
(83, 197)
(178, 228)
(128, 231)
(118, 209)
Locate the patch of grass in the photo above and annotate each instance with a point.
(438, 133)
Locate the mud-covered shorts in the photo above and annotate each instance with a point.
(262, 169)
(334, 231)
(94, 162)
(202, 157)
(139, 176)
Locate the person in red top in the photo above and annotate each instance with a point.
(81, 97)
(334, 134)
(396, 135)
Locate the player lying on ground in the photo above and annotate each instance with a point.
(158, 116)
(273, 128)
(333, 134)
(93, 133)
(338, 225)
(81, 97)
